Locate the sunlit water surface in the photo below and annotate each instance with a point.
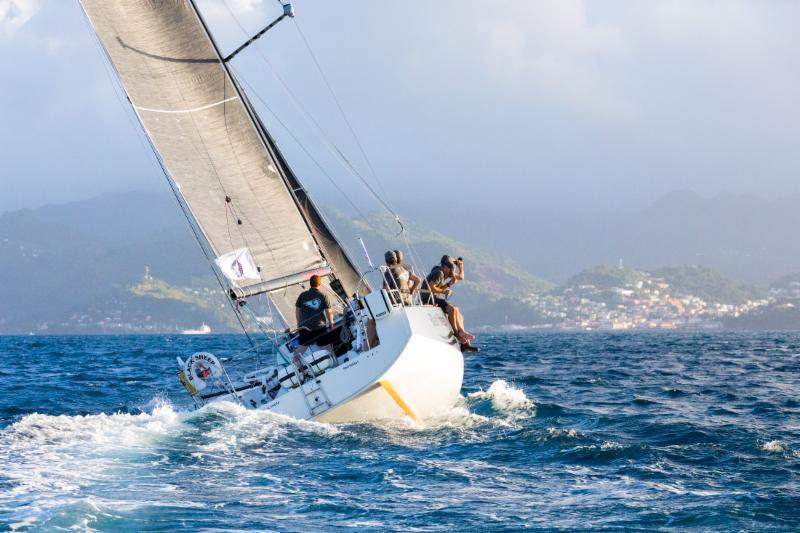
(647, 431)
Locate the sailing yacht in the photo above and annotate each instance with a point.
(265, 238)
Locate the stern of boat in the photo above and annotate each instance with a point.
(425, 379)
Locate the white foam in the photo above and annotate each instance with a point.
(774, 446)
(52, 461)
(459, 416)
(560, 432)
(118, 430)
(55, 457)
(244, 428)
(504, 397)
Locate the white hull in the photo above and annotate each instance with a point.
(415, 371)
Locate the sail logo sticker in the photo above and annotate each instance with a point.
(238, 265)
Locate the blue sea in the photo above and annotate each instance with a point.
(555, 431)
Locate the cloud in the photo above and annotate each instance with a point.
(553, 47)
(16, 13)
(233, 21)
(220, 11)
(242, 7)
(548, 50)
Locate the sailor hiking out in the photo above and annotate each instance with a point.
(437, 289)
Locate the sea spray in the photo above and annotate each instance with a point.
(504, 397)
(774, 446)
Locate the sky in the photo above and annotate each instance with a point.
(508, 105)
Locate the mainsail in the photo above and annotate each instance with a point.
(257, 221)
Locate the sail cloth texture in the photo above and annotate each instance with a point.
(204, 135)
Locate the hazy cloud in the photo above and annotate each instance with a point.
(16, 13)
(553, 46)
(549, 49)
(219, 12)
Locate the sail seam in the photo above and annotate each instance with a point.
(192, 110)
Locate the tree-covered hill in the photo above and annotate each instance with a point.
(690, 280)
(707, 284)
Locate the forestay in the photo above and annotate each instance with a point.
(255, 217)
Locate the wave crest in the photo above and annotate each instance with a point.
(504, 397)
(774, 446)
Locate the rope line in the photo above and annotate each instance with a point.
(340, 108)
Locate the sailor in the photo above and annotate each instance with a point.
(399, 255)
(397, 277)
(437, 289)
(458, 273)
(314, 324)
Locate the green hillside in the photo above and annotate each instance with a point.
(606, 277)
(707, 284)
(702, 282)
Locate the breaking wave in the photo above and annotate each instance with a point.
(504, 397)
(774, 446)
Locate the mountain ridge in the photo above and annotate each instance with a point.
(745, 237)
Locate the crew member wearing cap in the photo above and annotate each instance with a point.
(457, 273)
(437, 288)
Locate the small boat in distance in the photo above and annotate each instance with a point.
(265, 238)
(205, 329)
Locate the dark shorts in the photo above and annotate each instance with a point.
(442, 303)
(320, 337)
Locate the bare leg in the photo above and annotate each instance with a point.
(459, 318)
(451, 312)
(456, 322)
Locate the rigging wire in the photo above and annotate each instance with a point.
(324, 137)
(314, 123)
(340, 108)
(305, 150)
(252, 91)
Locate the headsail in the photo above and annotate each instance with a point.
(228, 171)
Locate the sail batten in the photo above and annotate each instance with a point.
(222, 162)
(201, 108)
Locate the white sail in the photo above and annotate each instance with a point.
(226, 168)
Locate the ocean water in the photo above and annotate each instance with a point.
(570, 431)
